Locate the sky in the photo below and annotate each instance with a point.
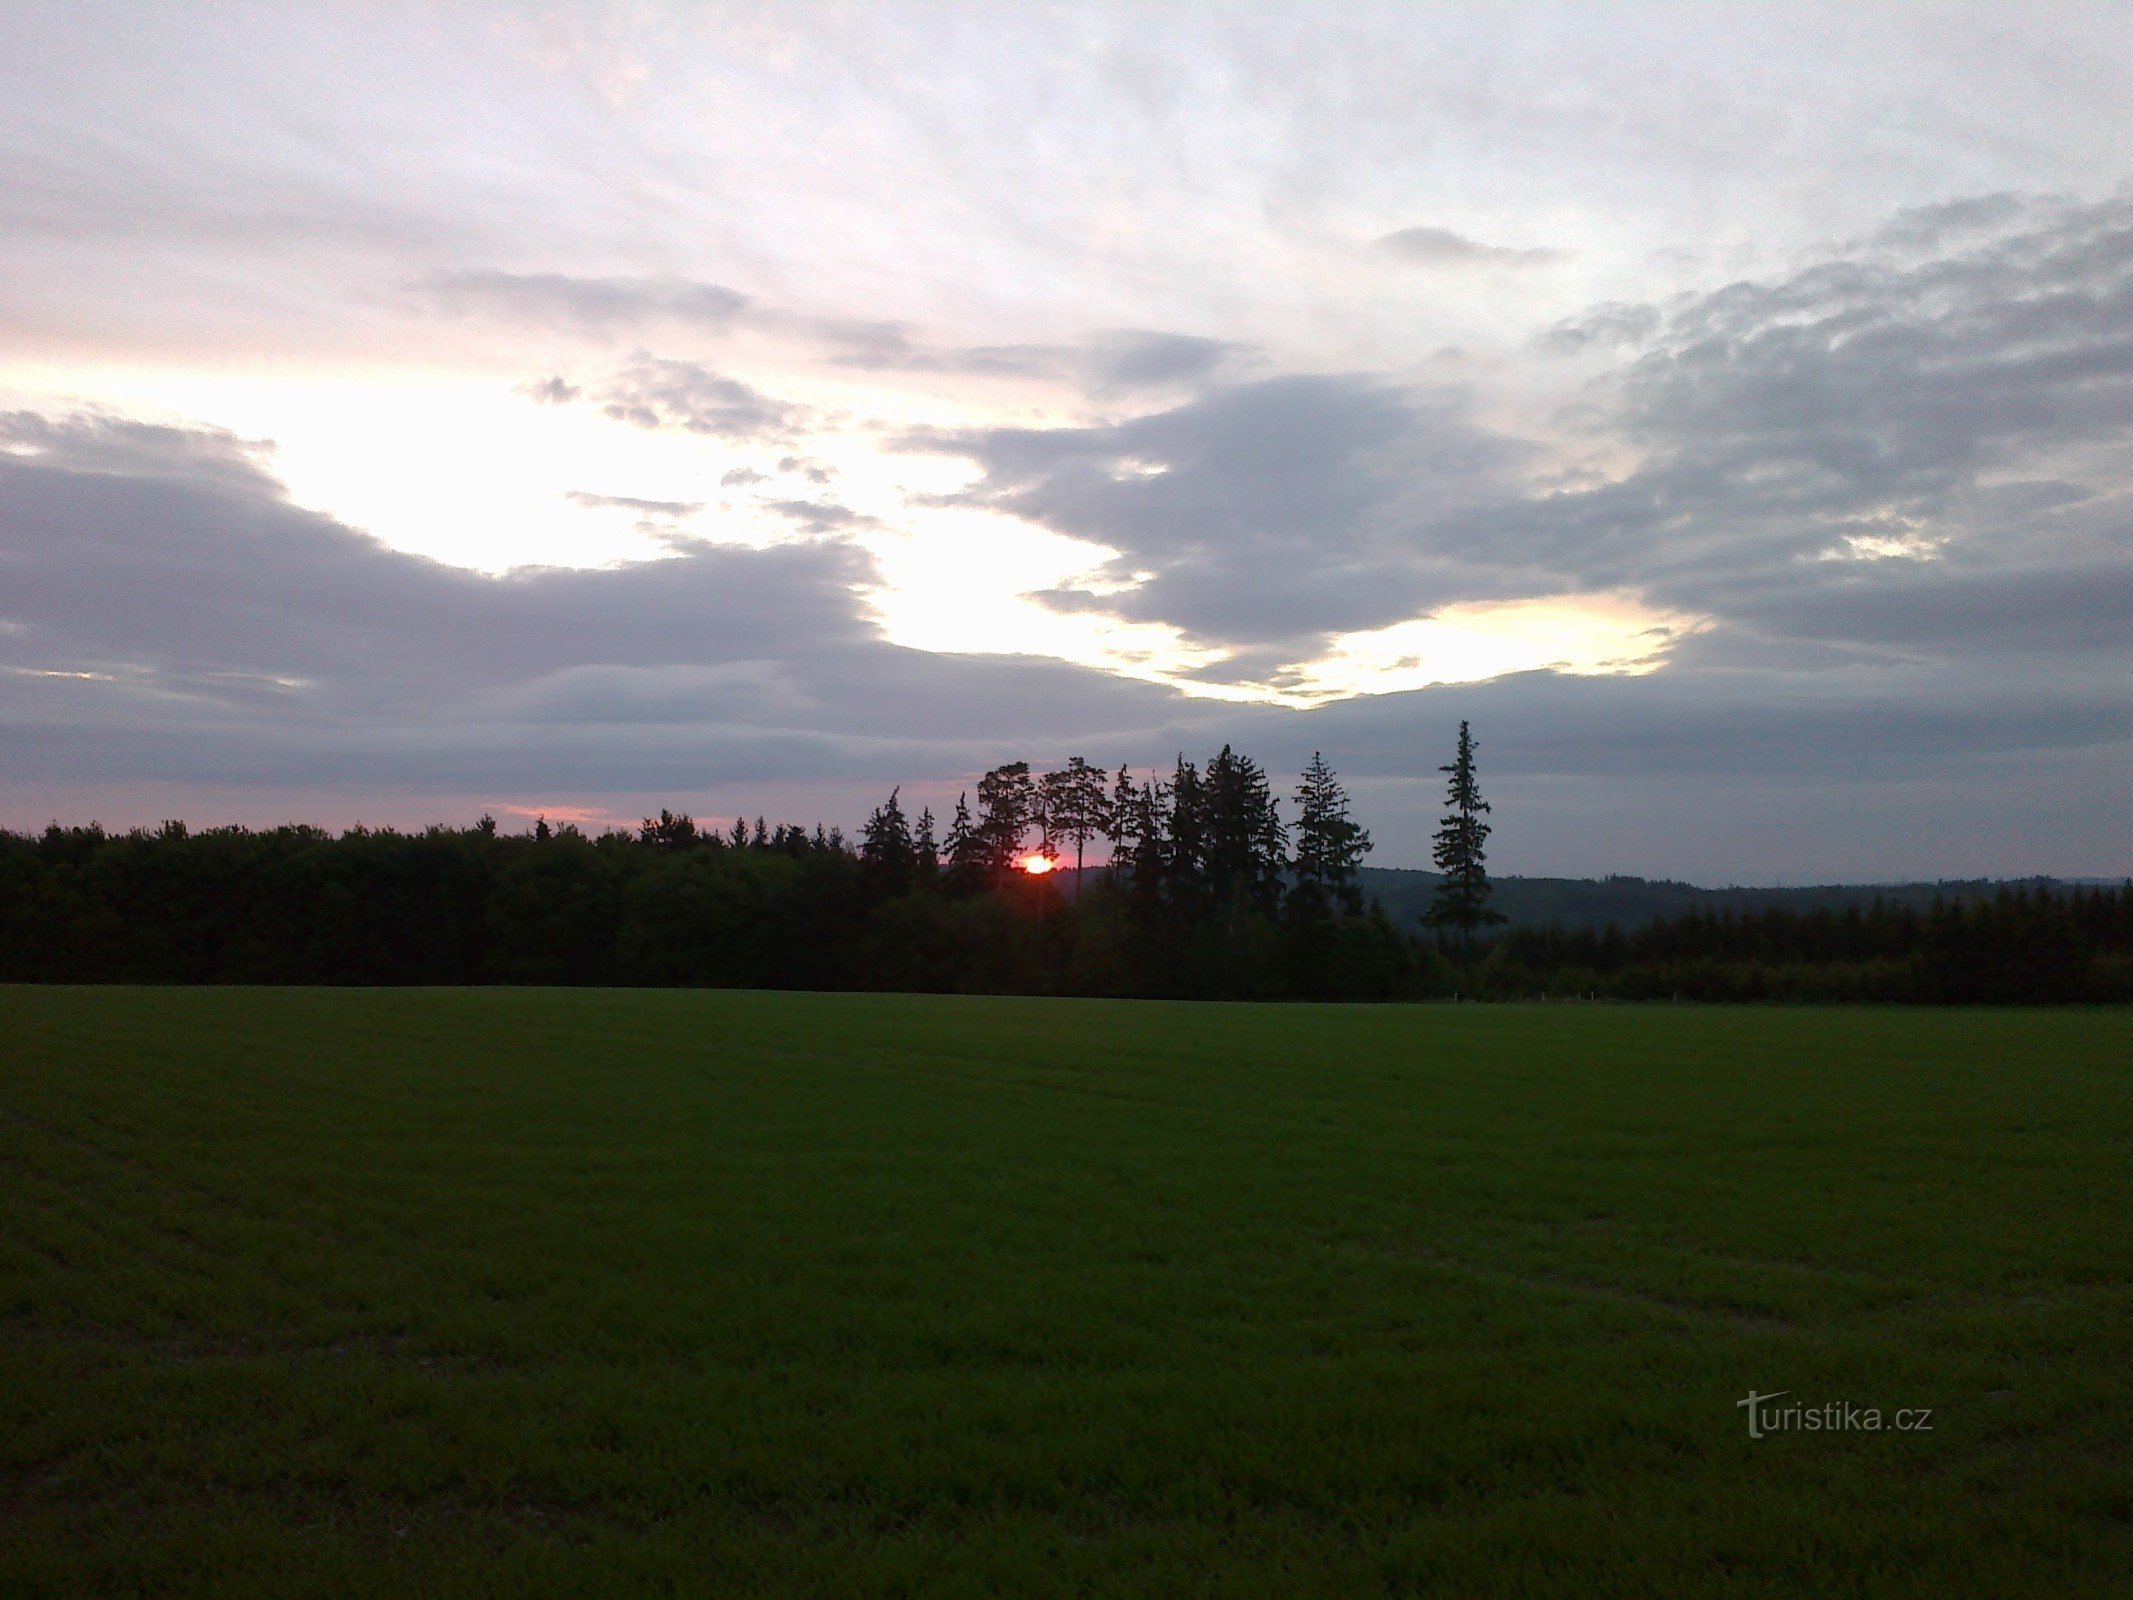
(410, 411)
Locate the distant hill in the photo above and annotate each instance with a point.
(1632, 902)
(1628, 903)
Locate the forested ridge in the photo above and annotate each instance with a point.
(1208, 893)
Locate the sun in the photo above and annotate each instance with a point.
(1036, 865)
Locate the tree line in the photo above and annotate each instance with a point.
(1204, 891)
(1207, 893)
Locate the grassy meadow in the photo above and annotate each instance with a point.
(496, 1292)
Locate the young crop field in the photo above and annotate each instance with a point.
(499, 1292)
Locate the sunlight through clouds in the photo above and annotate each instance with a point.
(1582, 635)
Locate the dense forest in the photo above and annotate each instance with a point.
(1207, 893)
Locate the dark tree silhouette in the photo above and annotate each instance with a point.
(1462, 898)
(1245, 845)
(1075, 808)
(670, 832)
(886, 850)
(969, 867)
(1329, 843)
(927, 849)
(1007, 805)
(472, 905)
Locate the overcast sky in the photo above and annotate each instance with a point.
(407, 411)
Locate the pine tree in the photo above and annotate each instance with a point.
(927, 848)
(1329, 844)
(1184, 852)
(1075, 808)
(886, 849)
(967, 866)
(1007, 805)
(1245, 845)
(1140, 816)
(1462, 898)
(669, 832)
(1122, 819)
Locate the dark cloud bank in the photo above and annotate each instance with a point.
(1897, 482)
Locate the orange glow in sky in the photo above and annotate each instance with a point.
(1035, 865)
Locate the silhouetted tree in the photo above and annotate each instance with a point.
(669, 832)
(886, 849)
(1461, 900)
(969, 866)
(1245, 844)
(1076, 809)
(1184, 873)
(1007, 805)
(927, 849)
(1329, 844)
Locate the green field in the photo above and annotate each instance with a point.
(430, 1293)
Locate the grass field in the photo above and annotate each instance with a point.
(501, 1292)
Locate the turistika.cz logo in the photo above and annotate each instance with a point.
(1766, 1417)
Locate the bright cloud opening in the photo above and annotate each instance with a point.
(1590, 635)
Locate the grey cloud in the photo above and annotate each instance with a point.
(163, 623)
(1280, 505)
(1441, 247)
(96, 443)
(601, 305)
(116, 569)
(663, 393)
(1611, 325)
(817, 516)
(623, 502)
(1933, 226)
(2080, 609)
(1129, 359)
(1876, 396)
(989, 361)
(551, 392)
(1111, 362)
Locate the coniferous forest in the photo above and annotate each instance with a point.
(1207, 893)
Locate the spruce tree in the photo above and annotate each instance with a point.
(1462, 898)
(927, 847)
(1329, 844)
(1245, 845)
(886, 848)
(965, 849)
(1122, 819)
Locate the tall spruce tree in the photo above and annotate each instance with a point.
(965, 850)
(1329, 844)
(1462, 898)
(1246, 847)
(927, 847)
(1122, 819)
(1184, 853)
(886, 849)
